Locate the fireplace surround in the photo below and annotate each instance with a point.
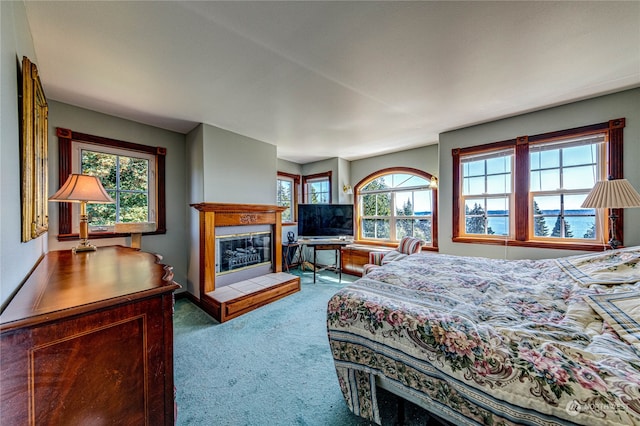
(240, 259)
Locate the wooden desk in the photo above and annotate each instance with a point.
(88, 339)
(335, 245)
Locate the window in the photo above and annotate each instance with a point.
(394, 203)
(317, 188)
(133, 174)
(562, 173)
(287, 195)
(128, 177)
(487, 180)
(529, 191)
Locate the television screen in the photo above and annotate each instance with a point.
(325, 220)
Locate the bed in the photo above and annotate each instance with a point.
(485, 341)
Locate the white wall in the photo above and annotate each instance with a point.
(172, 245)
(597, 110)
(16, 258)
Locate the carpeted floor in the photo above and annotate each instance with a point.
(271, 366)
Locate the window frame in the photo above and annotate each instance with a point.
(510, 195)
(316, 178)
(79, 146)
(396, 170)
(521, 217)
(66, 137)
(600, 163)
(295, 196)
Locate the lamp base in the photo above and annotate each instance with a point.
(84, 247)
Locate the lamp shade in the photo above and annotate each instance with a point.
(79, 188)
(612, 194)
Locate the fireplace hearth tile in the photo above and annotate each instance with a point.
(247, 286)
(267, 280)
(226, 293)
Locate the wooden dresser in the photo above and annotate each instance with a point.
(88, 339)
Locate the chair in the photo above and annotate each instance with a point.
(406, 246)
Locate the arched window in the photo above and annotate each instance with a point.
(397, 202)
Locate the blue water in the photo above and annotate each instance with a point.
(579, 224)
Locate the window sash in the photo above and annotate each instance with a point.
(322, 192)
(285, 197)
(77, 155)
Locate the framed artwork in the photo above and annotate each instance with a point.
(34, 157)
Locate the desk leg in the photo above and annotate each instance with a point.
(314, 264)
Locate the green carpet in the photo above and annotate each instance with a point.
(271, 366)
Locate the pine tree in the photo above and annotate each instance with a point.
(591, 232)
(475, 220)
(539, 224)
(556, 228)
(376, 205)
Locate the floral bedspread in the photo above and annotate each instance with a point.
(485, 341)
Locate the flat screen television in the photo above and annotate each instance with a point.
(325, 220)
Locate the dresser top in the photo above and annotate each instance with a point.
(65, 284)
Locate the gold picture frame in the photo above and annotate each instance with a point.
(34, 153)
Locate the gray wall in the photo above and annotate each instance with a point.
(172, 245)
(289, 167)
(596, 110)
(16, 258)
(225, 167)
(424, 158)
(237, 169)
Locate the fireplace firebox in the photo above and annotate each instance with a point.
(241, 251)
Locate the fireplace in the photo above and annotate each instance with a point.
(240, 258)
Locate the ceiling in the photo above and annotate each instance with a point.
(332, 79)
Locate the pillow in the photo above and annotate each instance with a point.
(621, 311)
(392, 256)
(375, 257)
(410, 245)
(620, 266)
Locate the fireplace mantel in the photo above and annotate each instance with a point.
(216, 215)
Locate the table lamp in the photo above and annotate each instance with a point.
(82, 189)
(612, 194)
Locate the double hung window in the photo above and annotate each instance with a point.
(317, 188)
(128, 177)
(529, 191)
(487, 184)
(562, 174)
(287, 195)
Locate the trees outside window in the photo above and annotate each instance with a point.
(127, 177)
(317, 188)
(395, 203)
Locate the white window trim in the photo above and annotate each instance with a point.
(76, 164)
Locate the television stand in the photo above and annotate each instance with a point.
(326, 244)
